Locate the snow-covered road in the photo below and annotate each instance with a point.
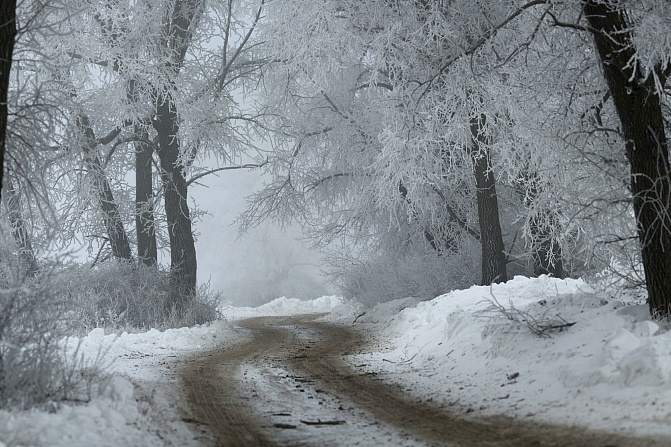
(289, 385)
(403, 373)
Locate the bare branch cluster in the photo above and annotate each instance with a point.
(541, 325)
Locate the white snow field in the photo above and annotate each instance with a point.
(610, 370)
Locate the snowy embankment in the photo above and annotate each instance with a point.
(610, 370)
(115, 413)
(282, 307)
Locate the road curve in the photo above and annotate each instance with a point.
(213, 393)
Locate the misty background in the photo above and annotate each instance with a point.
(263, 264)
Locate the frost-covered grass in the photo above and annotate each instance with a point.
(38, 314)
(122, 296)
(34, 369)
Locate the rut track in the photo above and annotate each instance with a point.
(214, 397)
(213, 393)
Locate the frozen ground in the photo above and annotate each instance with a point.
(610, 370)
(137, 402)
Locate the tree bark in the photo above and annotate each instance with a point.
(147, 251)
(7, 39)
(182, 247)
(491, 238)
(639, 109)
(19, 231)
(115, 231)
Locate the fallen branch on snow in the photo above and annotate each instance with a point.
(320, 422)
(540, 326)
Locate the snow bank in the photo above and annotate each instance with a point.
(610, 370)
(109, 420)
(110, 348)
(283, 306)
(113, 417)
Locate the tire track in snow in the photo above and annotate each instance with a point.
(215, 396)
(213, 393)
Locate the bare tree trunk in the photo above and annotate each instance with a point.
(7, 38)
(19, 230)
(639, 109)
(491, 238)
(144, 201)
(147, 251)
(110, 210)
(182, 247)
(180, 20)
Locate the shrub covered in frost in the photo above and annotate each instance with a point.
(389, 276)
(127, 296)
(33, 365)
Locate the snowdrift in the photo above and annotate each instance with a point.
(611, 369)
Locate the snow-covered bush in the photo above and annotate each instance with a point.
(34, 368)
(623, 278)
(388, 276)
(128, 296)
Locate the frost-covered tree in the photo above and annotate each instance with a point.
(636, 82)
(401, 115)
(170, 75)
(388, 127)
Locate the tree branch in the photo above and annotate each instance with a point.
(455, 216)
(316, 183)
(228, 64)
(225, 168)
(480, 42)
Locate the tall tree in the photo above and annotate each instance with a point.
(114, 29)
(491, 238)
(388, 134)
(182, 246)
(179, 26)
(110, 210)
(147, 248)
(7, 39)
(638, 106)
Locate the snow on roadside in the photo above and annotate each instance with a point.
(108, 420)
(611, 370)
(282, 307)
(117, 416)
(114, 416)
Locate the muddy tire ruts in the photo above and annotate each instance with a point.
(211, 383)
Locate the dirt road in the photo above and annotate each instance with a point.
(313, 352)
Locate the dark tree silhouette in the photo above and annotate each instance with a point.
(491, 238)
(7, 39)
(639, 109)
